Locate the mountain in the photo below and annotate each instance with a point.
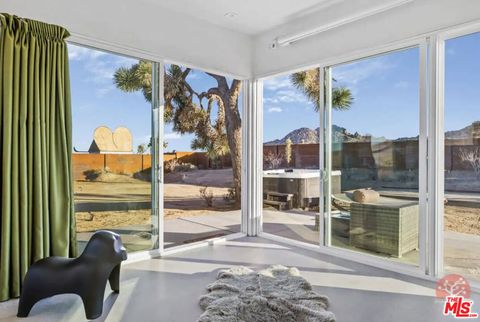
(469, 131)
(298, 136)
(306, 135)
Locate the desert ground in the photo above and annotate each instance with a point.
(115, 200)
(122, 203)
(462, 219)
(119, 200)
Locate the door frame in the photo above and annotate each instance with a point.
(326, 155)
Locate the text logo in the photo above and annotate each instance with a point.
(455, 291)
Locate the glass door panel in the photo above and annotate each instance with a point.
(112, 161)
(291, 173)
(202, 156)
(372, 156)
(462, 157)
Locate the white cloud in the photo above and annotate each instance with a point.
(83, 53)
(286, 96)
(99, 66)
(277, 83)
(172, 136)
(193, 75)
(281, 90)
(275, 109)
(354, 73)
(102, 91)
(402, 84)
(450, 52)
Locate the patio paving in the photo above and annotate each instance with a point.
(462, 251)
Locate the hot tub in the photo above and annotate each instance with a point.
(304, 184)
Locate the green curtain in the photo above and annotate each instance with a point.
(37, 216)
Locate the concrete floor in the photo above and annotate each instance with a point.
(462, 251)
(168, 289)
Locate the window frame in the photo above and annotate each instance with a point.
(158, 134)
(431, 118)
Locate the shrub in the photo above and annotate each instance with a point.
(185, 167)
(92, 174)
(231, 195)
(273, 160)
(176, 166)
(171, 165)
(472, 156)
(207, 196)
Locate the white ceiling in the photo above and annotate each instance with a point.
(256, 16)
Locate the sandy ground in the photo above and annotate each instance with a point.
(181, 198)
(91, 221)
(462, 219)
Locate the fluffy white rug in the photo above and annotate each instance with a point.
(276, 294)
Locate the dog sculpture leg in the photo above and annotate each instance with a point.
(28, 298)
(114, 279)
(25, 306)
(93, 301)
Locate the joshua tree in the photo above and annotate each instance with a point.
(141, 149)
(185, 108)
(308, 83)
(288, 151)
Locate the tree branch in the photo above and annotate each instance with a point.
(221, 80)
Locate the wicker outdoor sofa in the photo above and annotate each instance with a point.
(388, 226)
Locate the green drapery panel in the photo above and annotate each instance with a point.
(37, 216)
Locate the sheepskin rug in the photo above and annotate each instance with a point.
(276, 294)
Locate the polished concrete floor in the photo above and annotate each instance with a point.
(168, 289)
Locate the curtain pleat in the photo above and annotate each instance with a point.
(37, 217)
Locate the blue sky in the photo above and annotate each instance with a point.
(462, 81)
(96, 101)
(385, 89)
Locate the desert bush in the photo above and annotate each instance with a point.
(176, 166)
(273, 160)
(231, 195)
(207, 196)
(471, 156)
(144, 175)
(92, 174)
(185, 167)
(171, 165)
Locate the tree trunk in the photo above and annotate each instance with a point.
(233, 126)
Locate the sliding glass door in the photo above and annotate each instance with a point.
(202, 156)
(372, 156)
(462, 157)
(291, 176)
(112, 159)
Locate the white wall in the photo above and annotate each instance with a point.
(145, 27)
(199, 44)
(417, 18)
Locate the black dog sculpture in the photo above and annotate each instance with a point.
(85, 276)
